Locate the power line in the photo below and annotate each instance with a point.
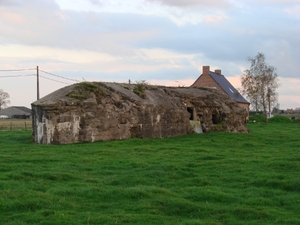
(16, 70)
(37, 76)
(27, 75)
(59, 76)
(53, 80)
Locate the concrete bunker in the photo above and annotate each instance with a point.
(94, 111)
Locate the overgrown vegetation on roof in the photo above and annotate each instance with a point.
(83, 90)
(140, 88)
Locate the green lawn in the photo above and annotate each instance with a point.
(213, 178)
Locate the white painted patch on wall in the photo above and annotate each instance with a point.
(157, 119)
(93, 137)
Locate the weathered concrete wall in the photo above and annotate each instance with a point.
(88, 112)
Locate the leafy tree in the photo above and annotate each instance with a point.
(259, 84)
(3, 99)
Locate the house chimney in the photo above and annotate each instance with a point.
(205, 70)
(218, 72)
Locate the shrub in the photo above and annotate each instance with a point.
(257, 118)
(280, 119)
(140, 88)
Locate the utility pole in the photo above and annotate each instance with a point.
(37, 83)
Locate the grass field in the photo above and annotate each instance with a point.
(294, 116)
(214, 178)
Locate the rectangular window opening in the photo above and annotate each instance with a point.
(191, 111)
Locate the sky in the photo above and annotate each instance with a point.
(162, 42)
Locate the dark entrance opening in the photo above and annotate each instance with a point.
(215, 119)
(191, 111)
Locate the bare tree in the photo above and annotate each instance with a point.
(3, 99)
(259, 84)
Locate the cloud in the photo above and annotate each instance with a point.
(215, 19)
(30, 23)
(95, 2)
(122, 35)
(192, 3)
(279, 1)
(175, 11)
(293, 11)
(175, 83)
(75, 30)
(8, 2)
(161, 41)
(289, 93)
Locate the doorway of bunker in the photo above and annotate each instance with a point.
(191, 111)
(215, 119)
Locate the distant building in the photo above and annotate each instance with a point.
(297, 110)
(18, 112)
(276, 111)
(290, 111)
(218, 81)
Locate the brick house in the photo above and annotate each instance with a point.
(218, 81)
